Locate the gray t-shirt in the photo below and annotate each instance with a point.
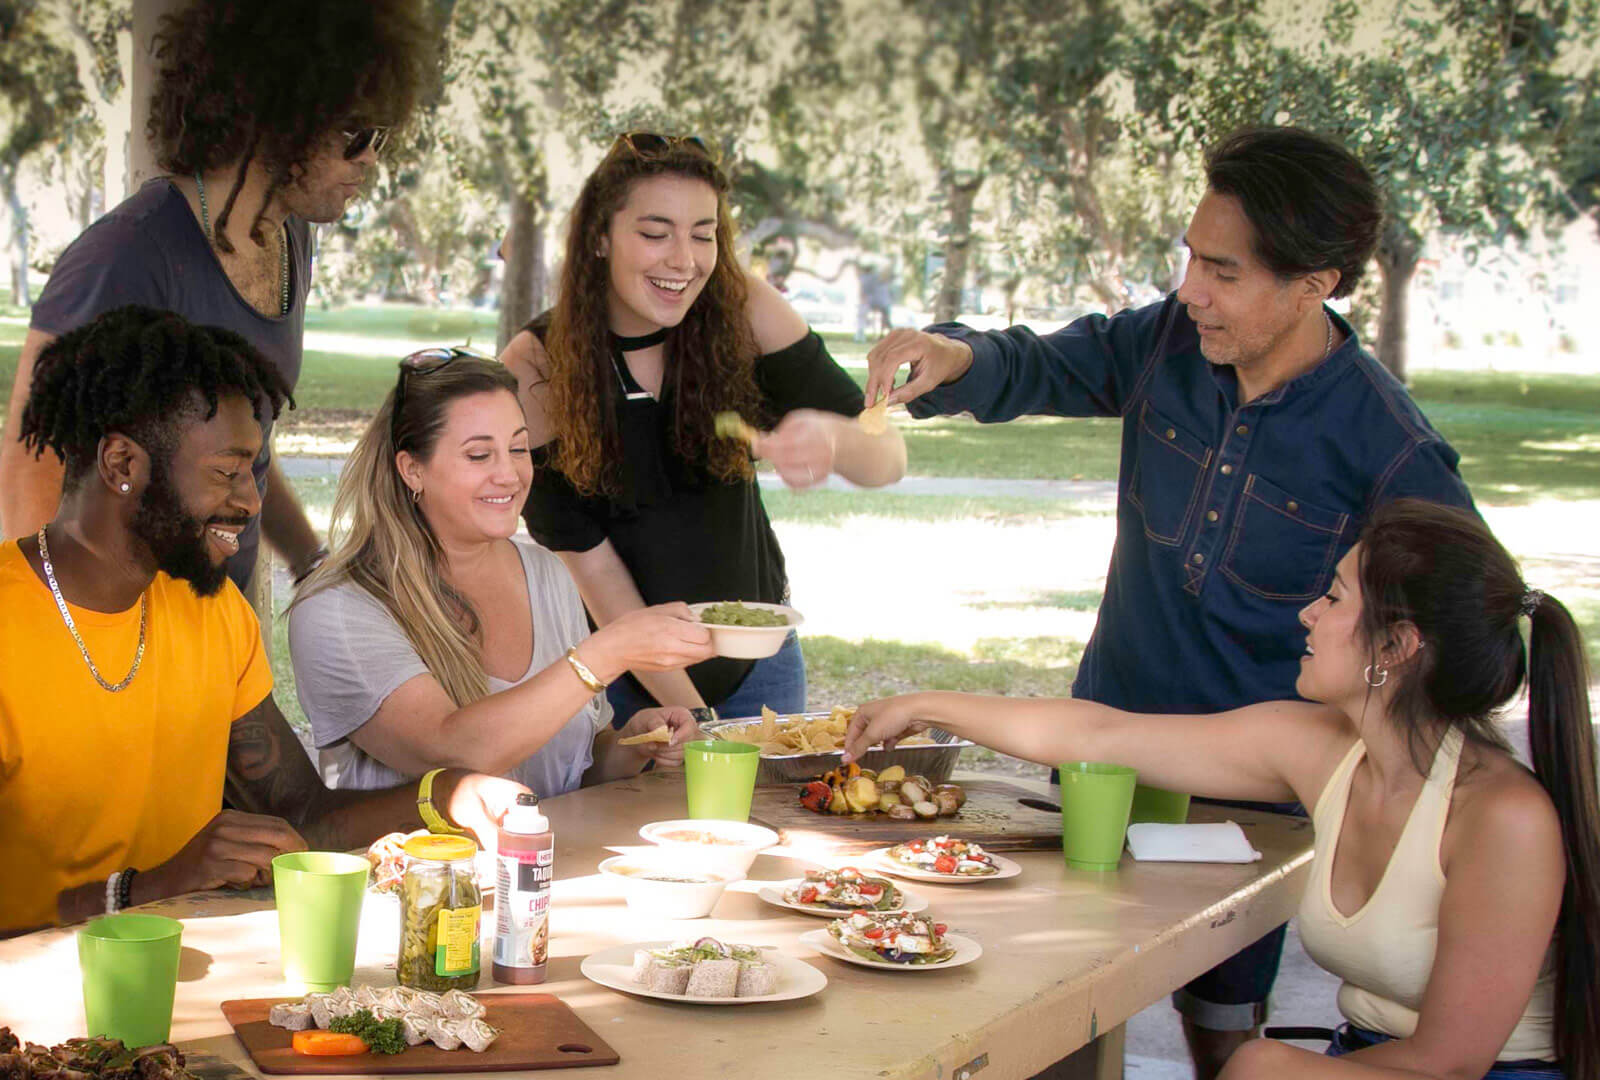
(150, 250)
(349, 655)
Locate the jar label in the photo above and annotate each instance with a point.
(457, 952)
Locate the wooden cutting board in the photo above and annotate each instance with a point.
(537, 1031)
(994, 815)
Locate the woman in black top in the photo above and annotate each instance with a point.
(656, 330)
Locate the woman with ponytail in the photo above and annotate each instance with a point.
(434, 637)
(1456, 894)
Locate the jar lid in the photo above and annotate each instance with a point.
(441, 848)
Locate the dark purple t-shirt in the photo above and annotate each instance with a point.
(150, 250)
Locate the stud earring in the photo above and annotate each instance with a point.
(126, 487)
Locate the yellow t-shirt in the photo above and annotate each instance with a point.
(90, 781)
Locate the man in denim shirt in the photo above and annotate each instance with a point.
(1258, 437)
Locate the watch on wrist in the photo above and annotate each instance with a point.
(435, 821)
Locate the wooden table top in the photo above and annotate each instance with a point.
(1066, 955)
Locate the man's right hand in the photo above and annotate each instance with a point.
(235, 850)
(935, 360)
(665, 637)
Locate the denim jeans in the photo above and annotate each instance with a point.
(1349, 1038)
(777, 681)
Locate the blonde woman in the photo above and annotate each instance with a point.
(435, 637)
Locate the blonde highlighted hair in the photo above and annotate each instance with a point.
(382, 542)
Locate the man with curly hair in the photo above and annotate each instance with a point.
(125, 644)
(268, 118)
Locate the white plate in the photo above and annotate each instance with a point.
(967, 951)
(879, 859)
(910, 901)
(614, 968)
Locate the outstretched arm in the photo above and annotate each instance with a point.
(1272, 752)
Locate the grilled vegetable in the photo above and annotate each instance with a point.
(947, 802)
(893, 774)
(957, 790)
(815, 796)
(861, 794)
(926, 809)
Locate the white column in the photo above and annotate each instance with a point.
(141, 159)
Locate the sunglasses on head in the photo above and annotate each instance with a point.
(356, 142)
(646, 143)
(420, 363)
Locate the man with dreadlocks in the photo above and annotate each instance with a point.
(268, 117)
(134, 686)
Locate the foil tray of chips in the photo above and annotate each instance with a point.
(934, 758)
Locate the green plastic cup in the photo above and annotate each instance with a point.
(319, 912)
(1158, 805)
(720, 777)
(130, 974)
(1095, 800)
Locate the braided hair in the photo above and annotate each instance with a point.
(141, 372)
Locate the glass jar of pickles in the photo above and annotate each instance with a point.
(440, 910)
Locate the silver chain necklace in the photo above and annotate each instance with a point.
(283, 253)
(66, 616)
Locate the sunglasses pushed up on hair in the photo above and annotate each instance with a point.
(647, 143)
(359, 141)
(421, 363)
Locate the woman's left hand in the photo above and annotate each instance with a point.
(679, 723)
(801, 447)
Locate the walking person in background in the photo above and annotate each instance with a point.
(269, 118)
(1258, 436)
(1456, 894)
(658, 329)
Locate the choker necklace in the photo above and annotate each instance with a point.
(643, 341)
(66, 617)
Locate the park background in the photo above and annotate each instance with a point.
(988, 160)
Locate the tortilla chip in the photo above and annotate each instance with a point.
(662, 734)
(730, 425)
(875, 420)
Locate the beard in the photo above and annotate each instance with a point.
(176, 537)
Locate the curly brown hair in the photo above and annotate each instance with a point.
(709, 356)
(241, 79)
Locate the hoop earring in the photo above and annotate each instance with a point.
(1383, 676)
(416, 495)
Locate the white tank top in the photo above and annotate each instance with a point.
(1384, 952)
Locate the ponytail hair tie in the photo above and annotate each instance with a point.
(1531, 601)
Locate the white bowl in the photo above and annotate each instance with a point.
(712, 847)
(750, 642)
(658, 887)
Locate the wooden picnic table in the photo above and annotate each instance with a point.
(1068, 957)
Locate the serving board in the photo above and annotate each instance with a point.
(993, 816)
(537, 1031)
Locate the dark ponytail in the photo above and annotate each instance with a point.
(1562, 745)
(1440, 569)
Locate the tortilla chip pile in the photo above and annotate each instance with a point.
(777, 737)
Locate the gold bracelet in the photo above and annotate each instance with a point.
(583, 672)
(429, 813)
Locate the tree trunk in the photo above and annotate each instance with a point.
(522, 290)
(1397, 263)
(957, 249)
(19, 238)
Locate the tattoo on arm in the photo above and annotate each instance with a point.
(268, 772)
